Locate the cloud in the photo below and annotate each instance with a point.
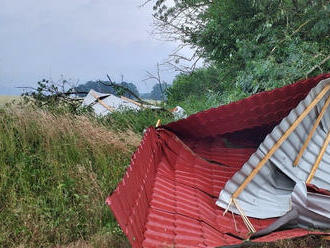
(80, 39)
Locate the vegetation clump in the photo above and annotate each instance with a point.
(56, 171)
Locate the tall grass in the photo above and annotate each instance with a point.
(55, 173)
(136, 121)
(211, 99)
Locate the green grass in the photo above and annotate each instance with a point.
(135, 120)
(193, 104)
(55, 173)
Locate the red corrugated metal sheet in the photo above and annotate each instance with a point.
(261, 109)
(167, 196)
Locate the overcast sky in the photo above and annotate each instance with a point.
(79, 39)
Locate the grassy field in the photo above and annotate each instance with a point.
(7, 99)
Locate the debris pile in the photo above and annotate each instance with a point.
(179, 113)
(236, 172)
(104, 104)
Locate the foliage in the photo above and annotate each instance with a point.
(210, 99)
(56, 170)
(197, 83)
(55, 96)
(193, 104)
(203, 89)
(253, 45)
(129, 86)
(105, 87)
(136, 120)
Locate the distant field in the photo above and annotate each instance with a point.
(153, 101)
(7, 99)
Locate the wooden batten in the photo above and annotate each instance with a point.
(131, 101)
(280, 141)
(310, 135)
(319, 158)
(111, 109)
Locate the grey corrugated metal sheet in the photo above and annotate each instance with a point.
(309, 210)
(269, 193)
(90, 99)
(112, 101)
(313, 208)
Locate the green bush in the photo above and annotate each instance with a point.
(135, 120)
(197, 83)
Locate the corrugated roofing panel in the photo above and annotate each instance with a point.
(110, 100)
(268, 194)
(313, 208)
(168, 194)
(181, 208)
(264, 108)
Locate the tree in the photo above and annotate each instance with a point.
(199, 82)
(180, 21)
(97, 85)
(158, 91)
(122, 89)
(255, 45)
(133, 89)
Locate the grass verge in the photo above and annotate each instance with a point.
(55, 173)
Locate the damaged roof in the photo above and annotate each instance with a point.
(103, 104)
(168, 195)
(268, 194)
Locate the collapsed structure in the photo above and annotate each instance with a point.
(295, 151)
(238, 171)
(103, 104)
